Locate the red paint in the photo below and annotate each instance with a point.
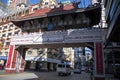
(11, 49)
(44, 11)
(10, 71)
(14, 59)
(99, 58)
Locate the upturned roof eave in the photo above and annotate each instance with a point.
(78, 10)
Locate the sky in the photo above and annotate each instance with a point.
(34, 1)
(84, 3)
(4, 1)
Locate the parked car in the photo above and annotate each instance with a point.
(63, 69)
(83, 68)
(1, 67)
(77, 71)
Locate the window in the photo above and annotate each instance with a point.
(60, 65)
(0, 28)
(16, 32)
(3, 35)
(40, 52)
(35, 9)
(9, 34)
(50, 26)
(5, 27)
(46, 3)
(7, 43)
(0, 53)
(67, 66)
(29, 52)
(11, 25)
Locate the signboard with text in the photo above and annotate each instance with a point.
(53, 37)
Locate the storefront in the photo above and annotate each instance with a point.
(3, 60)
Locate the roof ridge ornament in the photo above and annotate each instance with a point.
(48, 3)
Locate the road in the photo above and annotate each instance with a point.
(44, 76)
(54, 76)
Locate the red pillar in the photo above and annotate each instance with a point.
(11, 61)
(99, 72)
(16, 59)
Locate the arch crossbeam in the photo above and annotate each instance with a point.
(59, 37)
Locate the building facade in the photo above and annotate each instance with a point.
(14, 3)
(112, 38)
(49, 25)
(33, 57)
(46, 59)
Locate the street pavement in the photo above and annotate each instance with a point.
(33, 75)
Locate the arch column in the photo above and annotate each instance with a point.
(11, 61)
(21, 59)
(99, 70)
(16, 59)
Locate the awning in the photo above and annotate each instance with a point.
(3, 57)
